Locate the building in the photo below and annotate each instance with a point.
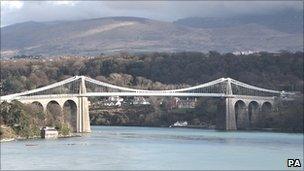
(112, 101)
(177, 103)
(115, 99)
(49, 133)
(248, 52)
(140, 101)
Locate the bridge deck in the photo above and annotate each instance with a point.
(133, 94)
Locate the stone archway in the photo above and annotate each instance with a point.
(266, 108)
(53, 113)
(253, 113)
(70, 114)
(265, 113)
(37, 105)
(38, 110)
(241, 115)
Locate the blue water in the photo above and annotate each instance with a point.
(156, 148)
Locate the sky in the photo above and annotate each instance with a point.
(21, 11)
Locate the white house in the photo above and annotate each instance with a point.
(114, 101)
(140, 101)
(49, 133)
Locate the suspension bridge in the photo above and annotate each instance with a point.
(244, 102)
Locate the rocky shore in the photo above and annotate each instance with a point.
(7, 135)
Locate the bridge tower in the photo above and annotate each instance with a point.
(83, 119)
(230, 110)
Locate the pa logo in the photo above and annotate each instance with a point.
(293, 163)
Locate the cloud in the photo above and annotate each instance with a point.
(11, 5)
(21, 11)
(63, 2)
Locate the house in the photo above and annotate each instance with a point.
(140, 101)
(113, 101)
(177, 103)
(248, 52)
(115, 98)
(49, 133)
(108, 103)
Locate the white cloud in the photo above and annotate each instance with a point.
(63, 3)
(11, 5)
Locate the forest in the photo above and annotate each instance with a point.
(280, 71)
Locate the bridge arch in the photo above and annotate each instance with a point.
(53, 113)
(70, 114)
(253, 112)
(265, 110)
(37, 105)
(266, 107)
(241, 114)
(38, 109)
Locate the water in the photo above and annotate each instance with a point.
(155, 148)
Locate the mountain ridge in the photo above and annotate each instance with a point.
(91, 37)
(286, 21)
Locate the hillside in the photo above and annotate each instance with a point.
(282, 71)
(289, 21)
(117, 34)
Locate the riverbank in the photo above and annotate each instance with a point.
(36, 137)
(7, 140)
(202, 127)
(8, 134)
(213, 127)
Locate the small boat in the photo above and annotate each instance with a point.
(179, 124)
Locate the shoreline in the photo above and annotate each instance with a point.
(261, 130)
(7, 140)
(36, 137)
(273, 130)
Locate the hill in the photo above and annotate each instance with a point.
(288, 21)
(131, 34)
